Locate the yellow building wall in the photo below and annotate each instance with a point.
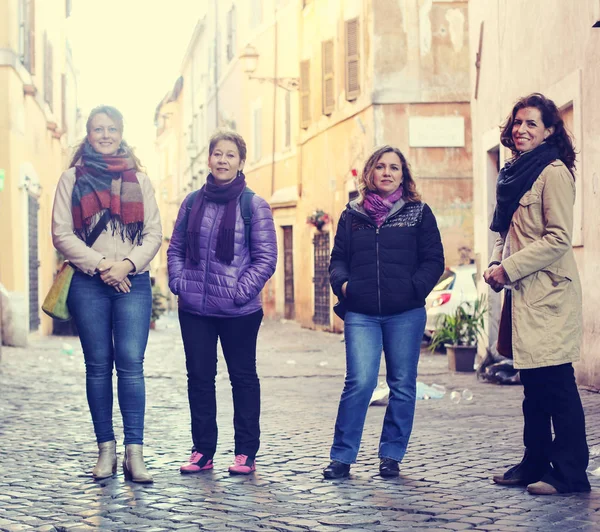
(31, 155)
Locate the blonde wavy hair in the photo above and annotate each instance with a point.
(367, 183)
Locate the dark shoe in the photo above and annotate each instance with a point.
(388, 468)
(512, 478)
(336, 470)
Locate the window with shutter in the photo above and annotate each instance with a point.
(328, 79)
(48, 74)
(231, 33)
(257, 119)
(26, 35)
(63, 101)
(305, 94)
(288, 119)
(256, 13)
(352, 60)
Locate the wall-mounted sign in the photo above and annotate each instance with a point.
(436, 132)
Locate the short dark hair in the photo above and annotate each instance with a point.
(232, 136)
(551, 118)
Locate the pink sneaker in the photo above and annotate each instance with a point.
(198, 462)
(242, 465)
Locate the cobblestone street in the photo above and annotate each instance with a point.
(47, 450)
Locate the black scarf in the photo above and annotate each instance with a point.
(227, 194)
(515, 179)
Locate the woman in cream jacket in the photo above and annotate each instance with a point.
(534, 260)
(110, 296)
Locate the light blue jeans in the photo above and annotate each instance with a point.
(113, 329)
(399, 335)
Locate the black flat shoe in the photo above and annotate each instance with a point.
(336, 470)
(388, 468)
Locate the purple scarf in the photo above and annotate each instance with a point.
(227, 194)
(377, 207)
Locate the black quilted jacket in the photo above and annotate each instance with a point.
(392, 268)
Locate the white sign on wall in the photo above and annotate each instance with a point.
(436, 132)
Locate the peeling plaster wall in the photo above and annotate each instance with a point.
(431, 64)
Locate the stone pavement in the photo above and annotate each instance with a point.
(47, 450)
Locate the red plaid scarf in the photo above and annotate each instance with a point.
(108, 182)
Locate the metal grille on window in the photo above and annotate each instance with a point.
(288, 263)
(321, 279)
(34, 305)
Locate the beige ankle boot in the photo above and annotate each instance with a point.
(107, 460)
(133, 465)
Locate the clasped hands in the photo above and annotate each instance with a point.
(496, 277)
(114, 273)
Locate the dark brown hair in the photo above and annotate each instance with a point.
(366, 182)
(551, 118)
(117, 117)
(232, 136)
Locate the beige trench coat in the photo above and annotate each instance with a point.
(537, 255)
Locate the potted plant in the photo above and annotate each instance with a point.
(318, 218)
(458, 333)
(158, 304)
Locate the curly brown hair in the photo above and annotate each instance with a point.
(117, 117)
(366, 182)
(551, 118)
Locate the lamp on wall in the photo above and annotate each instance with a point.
(250, 58)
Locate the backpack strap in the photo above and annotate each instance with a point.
(188, 208)
(246, 208)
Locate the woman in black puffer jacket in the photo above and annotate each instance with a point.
(394, 259)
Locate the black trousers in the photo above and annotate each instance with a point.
(238, 340)
(552, 400)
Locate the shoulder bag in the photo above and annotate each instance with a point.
(55, 303)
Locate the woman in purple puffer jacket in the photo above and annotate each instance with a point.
(218, 270)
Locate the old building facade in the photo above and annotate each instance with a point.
(331, 80)
(559, 56)
(38, 120)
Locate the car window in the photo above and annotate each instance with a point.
(446, 281)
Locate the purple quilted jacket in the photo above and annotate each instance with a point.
(211, 287)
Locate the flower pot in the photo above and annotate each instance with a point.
(461, 357)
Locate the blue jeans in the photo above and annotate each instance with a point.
(113, 329)
(399, 335)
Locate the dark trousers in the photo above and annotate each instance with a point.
(552, 400)
(238, 340)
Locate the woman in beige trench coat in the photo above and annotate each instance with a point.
(533, 260)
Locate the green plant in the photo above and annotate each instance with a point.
(158, 303)
(463, 327)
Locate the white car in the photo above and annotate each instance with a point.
(456, 286)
